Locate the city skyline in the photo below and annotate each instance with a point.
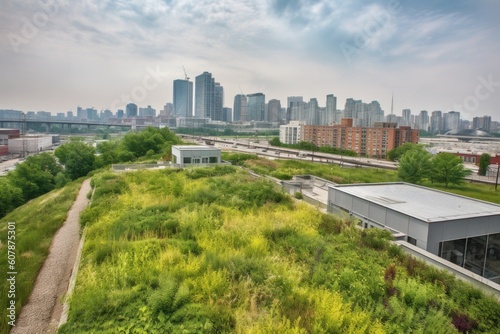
(431, 55)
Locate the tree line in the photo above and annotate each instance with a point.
(44, 172)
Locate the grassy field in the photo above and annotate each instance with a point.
(36, 222)
(286, 169)
(216, 251)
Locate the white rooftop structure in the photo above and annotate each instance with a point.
(416, 201)
(184, 155)
(462, 230)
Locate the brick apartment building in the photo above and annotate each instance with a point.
(370, 142)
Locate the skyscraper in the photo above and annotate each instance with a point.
(217, 114)
(295, 106)
(452, 120)
(240, 108)
(406, 113)
(331, 109)
(131, 110)
(274, 108)
(436, 121)
(183, 98)
(204, 102)
(256, 106)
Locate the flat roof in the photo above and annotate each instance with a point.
(195, 148)
(423, 203)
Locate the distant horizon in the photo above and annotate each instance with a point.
(431, 55)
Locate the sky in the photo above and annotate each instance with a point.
(443, 55)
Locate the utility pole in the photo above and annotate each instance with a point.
(498, 172)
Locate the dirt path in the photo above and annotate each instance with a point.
(42, 312)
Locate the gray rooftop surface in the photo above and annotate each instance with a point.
(196, 147)
(419, 202)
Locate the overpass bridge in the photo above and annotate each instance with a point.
(68, 123)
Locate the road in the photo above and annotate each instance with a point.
(8, 165)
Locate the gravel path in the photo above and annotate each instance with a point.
(42, 312)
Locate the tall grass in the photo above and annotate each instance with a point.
(36, 223)
(173, 251)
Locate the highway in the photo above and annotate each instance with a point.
(264, 149)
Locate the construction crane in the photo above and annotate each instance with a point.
(185, 74)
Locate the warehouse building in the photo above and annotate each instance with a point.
(462, 230)
(185, 155)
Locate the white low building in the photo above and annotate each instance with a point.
(185, 155)
(459, 229)
(30, 144)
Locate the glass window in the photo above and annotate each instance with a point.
(187, 160)
(453, 251)
(204, 160)
(492, 268)
(475, 254)
(213, 160)
(412, 241)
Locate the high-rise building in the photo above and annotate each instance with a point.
(313, 112)
(273, 110)
(183, 98)
(295, 108)
(240, 108)
(452, 120)
(227, 114)
(256, 106)
(331, 110)
(423, 120)
(131, 110)
(482, 123)
(406, 117)
(217, 114)
(436, 122)
(204, 102)
(145, 112)
(119, 113)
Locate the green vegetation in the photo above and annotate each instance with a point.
(484, 163)
(414, 165)
(41, 173)
(152, 143)
(216, 251)
(286, 169)
(36, 223)
(306, 146)
(447, 168)
(396, 153)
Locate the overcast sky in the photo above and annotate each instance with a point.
(432, 55)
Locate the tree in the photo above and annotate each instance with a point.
(77, 157)
(414, 165)
(10, 197)
(398, 152)
(448, 168)
(36, 175)
(484, 163)
(275, 141)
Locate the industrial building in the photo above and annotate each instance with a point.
(185, 155)
(459, 229)
(30, 144)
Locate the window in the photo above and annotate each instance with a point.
(412, 241)
(213, 160)
(187, 160)
(204, 160)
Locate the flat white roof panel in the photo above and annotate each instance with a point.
(425, 204)
(195, 148)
